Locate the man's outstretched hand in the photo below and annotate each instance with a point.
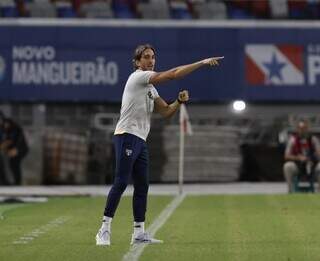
(212, 61)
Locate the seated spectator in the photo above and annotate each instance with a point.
(302, 155)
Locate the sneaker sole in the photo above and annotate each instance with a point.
(102, 244)
(146, 243)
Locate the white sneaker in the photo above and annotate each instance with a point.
(144, 238)
(103, 237)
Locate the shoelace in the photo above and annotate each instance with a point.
(102, 233)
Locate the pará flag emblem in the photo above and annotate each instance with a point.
(274, 64)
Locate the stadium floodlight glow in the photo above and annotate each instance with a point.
(239, 106)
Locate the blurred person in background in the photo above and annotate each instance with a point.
(14, 146)
(3, 175)
(302, 155)
(140, 98)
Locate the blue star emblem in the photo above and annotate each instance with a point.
(274, 67)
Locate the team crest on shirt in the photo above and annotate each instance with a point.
(128, 152)
(150, 95)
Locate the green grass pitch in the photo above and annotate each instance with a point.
(239, 227)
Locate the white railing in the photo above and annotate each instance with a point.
(158, 23)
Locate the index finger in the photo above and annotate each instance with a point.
(218, 58)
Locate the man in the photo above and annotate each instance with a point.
(302, 154)
(139, 100)
(3, 176)
(15, 147)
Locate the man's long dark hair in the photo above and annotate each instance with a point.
(138, 53)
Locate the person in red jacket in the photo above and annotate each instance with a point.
(301, 155)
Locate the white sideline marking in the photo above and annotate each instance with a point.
(27, 238)
(135, 251)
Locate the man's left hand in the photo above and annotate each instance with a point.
(183, 96)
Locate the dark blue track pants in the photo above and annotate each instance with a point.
(131, 159)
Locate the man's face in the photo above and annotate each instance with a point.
(147, 61)
(303, 128)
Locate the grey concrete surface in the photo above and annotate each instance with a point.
(158, 189)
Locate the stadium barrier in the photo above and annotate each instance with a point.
(264, 61)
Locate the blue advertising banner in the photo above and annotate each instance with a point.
(81, 63)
